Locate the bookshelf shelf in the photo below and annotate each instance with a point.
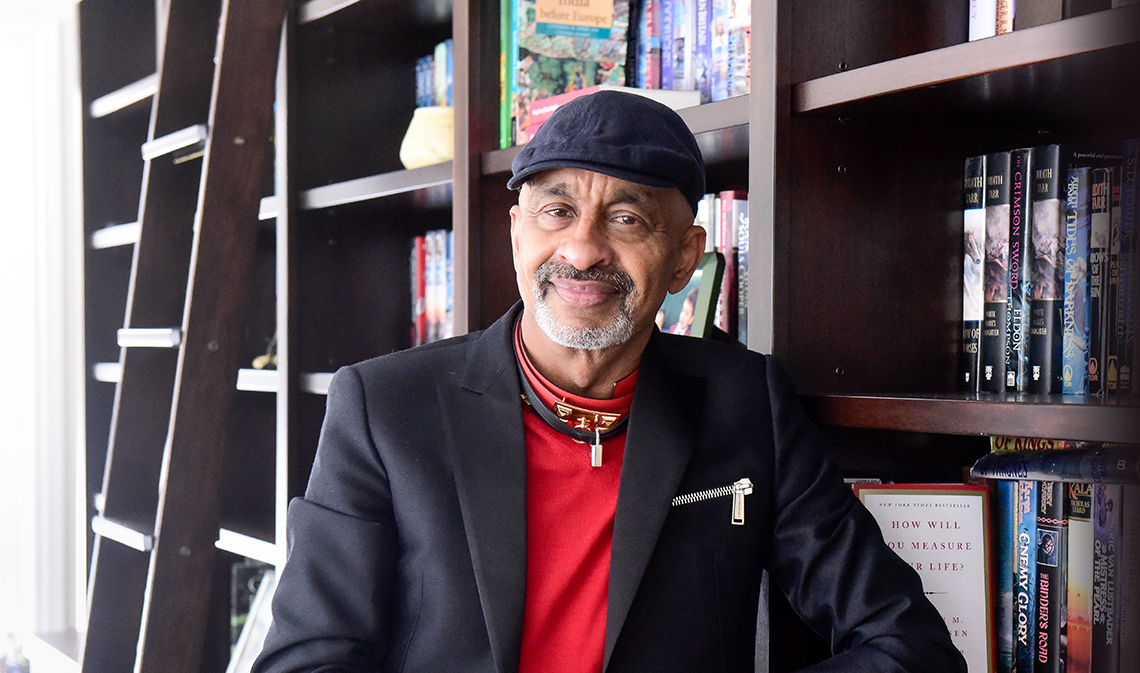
(1046, 417)
(1050, 58)
(249, 546)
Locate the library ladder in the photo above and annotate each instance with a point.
(154, 562)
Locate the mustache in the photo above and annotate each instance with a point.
(550, 269)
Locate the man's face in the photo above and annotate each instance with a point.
(595, 255)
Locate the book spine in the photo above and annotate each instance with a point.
(1126, 290)
(1046, 272)
(684, 44)
(1106, 565)
(1025, 577)
(1078, 638)
(653, 48)
(1003, 14)
(718, 38)
(702, 63)
(996, 279)
(741, 210)
(419, 290)
(1004, 500)
(635, 53)
(1016, 325)
(1100, 218)
(983, 19)
(974, 241)
(1129, 593)
(1075, 313)
(1051, 590)
(514, 71)
(1107, 464)
(504, 71)
(667, 13)
(740, 49)
(727, 235)
(1112, 289)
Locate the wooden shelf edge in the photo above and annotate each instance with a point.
(701, 119)
(1045, 417)
(1092, 32)
(121, 98)
(377, 186)
(56, 652)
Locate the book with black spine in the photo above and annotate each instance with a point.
(996, 279)
(1017, 301)
(1052, 531)
(973, 267)
(1100, 221)
(1025, 576)
(1046, 271)
(1126, 312)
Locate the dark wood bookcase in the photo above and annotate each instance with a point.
(850, 146)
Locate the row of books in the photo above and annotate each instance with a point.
(995, 17)
(724, 216)
(1066, 540)
(1049, 271)
(549, 49)
(432, 282)
(435, 76)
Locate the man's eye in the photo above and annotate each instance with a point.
(627, 220)
(557, 212)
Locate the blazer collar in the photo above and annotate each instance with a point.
(490, 474)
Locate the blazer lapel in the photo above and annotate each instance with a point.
(484, 427)
(663, 425)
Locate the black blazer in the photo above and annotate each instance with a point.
(408, 551)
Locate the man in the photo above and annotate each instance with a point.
(571, 489)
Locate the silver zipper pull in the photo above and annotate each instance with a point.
(596, 449)
(739, 490)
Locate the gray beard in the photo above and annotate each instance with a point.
(615, 331)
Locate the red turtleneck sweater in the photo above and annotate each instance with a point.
(570, 522)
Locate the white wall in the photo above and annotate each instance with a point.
(41, 320)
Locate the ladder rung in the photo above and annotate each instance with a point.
(147, 337)
(259, 380)
(268, 208)
(122, 534)
(115, 235)
(187, 137)
(107, 372)
(131, 93)
(316, 383)
(249, 547)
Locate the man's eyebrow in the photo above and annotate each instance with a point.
(561, 189)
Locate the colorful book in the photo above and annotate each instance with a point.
(1112, 290)
(718, 48)
(1106, 574)
(1099, 464)
(1017, 300)
(1003, 496)
(667, 14)
(560, 51)
(742, 270)
(1129, 591)
(1100, 221)
(419, 290)
(1052, 530)
(1025, 577)
(726, 220)
(739, 27)
(702, 54)
(543, 108)
(1004, 14)
(996, 280)
(1126, 313)
(1075, 311)
(974, 241)
(506, 16)
(684, 48)
(1078, 639)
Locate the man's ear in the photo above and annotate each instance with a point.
(692, 247)
(515, 213)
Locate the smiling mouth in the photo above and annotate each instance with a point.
(592, 287)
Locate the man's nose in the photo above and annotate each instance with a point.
(586, 243)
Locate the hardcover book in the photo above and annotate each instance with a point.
(1100, 221)
(1017, 302)
(1025, 576)
(1126, 312)
(683, 51)
(1112, 290)
(1130, 579)
(1098, 463)
(996, 279)
(973, 245)
(1078, 640)
(983, 19)
(1003, 494)
(562, 50)
(702, 54)
(942, 531)
(1051, 575)
(1075, 314)
(1106, 574)
(739, 27)
(1046, 271)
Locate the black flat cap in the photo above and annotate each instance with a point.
(620, 134)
